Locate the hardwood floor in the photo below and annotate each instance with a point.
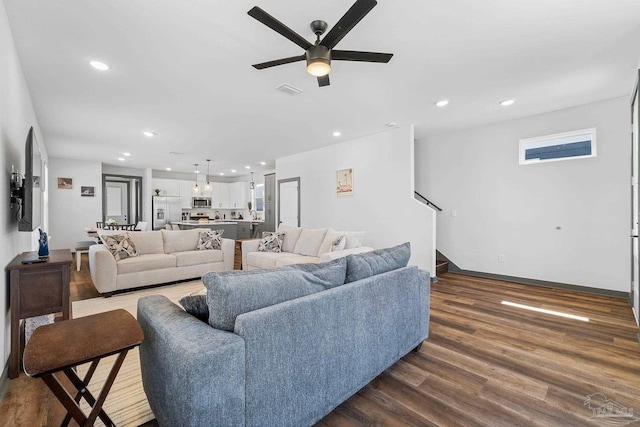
(484, 364)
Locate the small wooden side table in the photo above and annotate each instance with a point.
(237, 261)
(61, 346)
(37, 289)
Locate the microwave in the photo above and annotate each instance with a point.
(201, 202)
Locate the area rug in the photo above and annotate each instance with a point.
(126, 403)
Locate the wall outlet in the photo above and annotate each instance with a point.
(454, 212)
(501, 258)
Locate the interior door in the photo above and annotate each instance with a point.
(635, 195)
(289, 202)
(117, 202)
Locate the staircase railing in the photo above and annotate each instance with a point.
(427, 201)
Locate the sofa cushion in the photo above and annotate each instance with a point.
(291, 236)
(270, 242)
(146, 263)
(309, 241)
(355, 239)
(147, 242)
(180, 240)
(208, 240)
(120, 246)
(296, 259)
(331, 239)
(332, 273)
(232, 293)
(265, 259)
(195, 304)
(361, 266)
(187, 258)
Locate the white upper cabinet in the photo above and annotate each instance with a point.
(220, 196)
(239, 195)
(186, 193)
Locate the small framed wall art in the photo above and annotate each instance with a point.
(87, 191)
(66, 183)
(344, 182)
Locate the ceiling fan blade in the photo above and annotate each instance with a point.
(323, 81)
(282, 61)
(349, 20)
(352, 55)
(278, 27)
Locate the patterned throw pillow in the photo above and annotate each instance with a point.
(210, 240)
(271, 242)
(338, 244)
(120, 245)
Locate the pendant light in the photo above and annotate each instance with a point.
(252, 184)
(196, 188)
(208, 186)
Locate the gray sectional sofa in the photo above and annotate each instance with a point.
(290, 344)
(163, 256)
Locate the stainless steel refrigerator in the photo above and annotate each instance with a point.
(166, 209)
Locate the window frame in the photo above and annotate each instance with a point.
(526, 144)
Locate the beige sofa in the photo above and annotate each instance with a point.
(164, 256)
(303, 245)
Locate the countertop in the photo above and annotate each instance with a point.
(217, 221)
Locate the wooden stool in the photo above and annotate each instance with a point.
(82, 248)
(62, 346)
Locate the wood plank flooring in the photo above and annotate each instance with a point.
(484, 364)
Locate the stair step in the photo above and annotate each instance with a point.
(441, 267)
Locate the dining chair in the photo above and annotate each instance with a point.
(99, 224)
(141, 226)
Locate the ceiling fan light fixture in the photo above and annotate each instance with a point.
(318, 61)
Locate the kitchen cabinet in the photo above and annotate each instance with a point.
(220, 195)
(186, 193)
(243, 230)
(239, 194)
(168, 187)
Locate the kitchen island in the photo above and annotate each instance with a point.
(239, 229)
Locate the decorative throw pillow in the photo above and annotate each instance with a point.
(120, 245)
(338, 244)
(310, 241)
(196, 305)
(331, 239)
(210, 240)
(361, 266)
(271, 242)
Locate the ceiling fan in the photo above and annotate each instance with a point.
(320, 54)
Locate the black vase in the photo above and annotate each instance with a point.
(43, 244)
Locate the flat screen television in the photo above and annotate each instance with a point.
(30, 215)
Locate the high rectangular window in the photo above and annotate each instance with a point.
(577, 144)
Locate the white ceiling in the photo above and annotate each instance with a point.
(182, 69)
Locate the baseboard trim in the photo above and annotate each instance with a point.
(4, 381)
(522, 280)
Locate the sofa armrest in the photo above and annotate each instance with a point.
(228, 253)
(192, 374)
(330, 256)
(248, 246)
(103, 268)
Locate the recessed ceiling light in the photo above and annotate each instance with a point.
(121, 159)
(391, 124)
(148, 134)
(221, 173)
(442, 103)
(507, 102)
(263, 163)
(337, 133)
(99, 65)
(126, 154)
(168, 169)
(233, 171)
(247, 167)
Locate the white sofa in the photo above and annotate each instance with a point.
(302, 245)
(164, 256)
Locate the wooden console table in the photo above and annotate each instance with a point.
(37, 289)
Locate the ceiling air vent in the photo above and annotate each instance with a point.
(288, 89)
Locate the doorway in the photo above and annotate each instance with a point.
(289, 202)
(121, 198)
(634, 295)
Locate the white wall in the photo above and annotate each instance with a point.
(69, 212)
(16, 116)
(382, 203)
(504, 208)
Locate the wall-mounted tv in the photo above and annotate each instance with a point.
(30, 215)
